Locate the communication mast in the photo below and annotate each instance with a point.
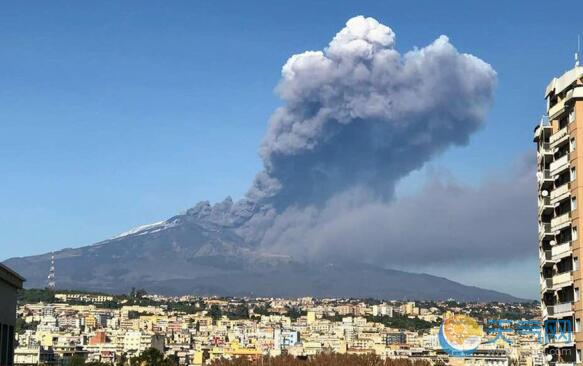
(51, 282)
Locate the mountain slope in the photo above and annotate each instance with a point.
(201, 252)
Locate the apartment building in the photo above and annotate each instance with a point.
(10, 282)
(558, 162)
(136, 342)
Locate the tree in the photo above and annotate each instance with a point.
(150, 357)
(76, 361)
(153, 357)
(122, 360)
(215, 312)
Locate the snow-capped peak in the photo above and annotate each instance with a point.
(143, 229)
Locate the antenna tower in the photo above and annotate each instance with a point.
(51, 282)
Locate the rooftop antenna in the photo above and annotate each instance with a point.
(578, 50)
(51, 282)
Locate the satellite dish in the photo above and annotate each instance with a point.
(544, 193)
(549, 357)
(552, 242)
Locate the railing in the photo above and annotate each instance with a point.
(560, 249)
(560, 308)
(562, 278)
(561, 220)
(544, 229)
(545, 149)
(560, 191)
(545, 256)
(543, 175)
(556, 109)
(544, 203)
(559, 164)
(546, 283)
(557, 136)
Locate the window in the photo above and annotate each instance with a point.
(574, 233)
(575, 263)
(576, 294)
(573, 173)
(563, 122)
(10, 345)
(4, 344)
(573, 203)
(573, 145)
(578, 356)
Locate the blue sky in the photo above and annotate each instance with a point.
(115, 114)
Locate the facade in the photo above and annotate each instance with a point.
(10, 282)
(136, 342)
(559, 161)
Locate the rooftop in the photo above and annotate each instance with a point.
(564, 81)
(9, 276)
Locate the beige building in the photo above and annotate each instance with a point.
(10, 282)
(136, 342)
(559, 162)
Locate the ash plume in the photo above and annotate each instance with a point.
(359, 113)
(356, 117)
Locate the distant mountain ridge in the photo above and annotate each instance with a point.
(203, 251)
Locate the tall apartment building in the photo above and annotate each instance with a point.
(558, 161)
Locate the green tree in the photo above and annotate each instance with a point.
(76, 361)
(215, 312)
(153, 357)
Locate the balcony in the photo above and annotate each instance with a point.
(560, 193)
(560, 251)
(575, 93)
(546, 284)
(546, 258)
(545, 179)
(559, 165)
(558, 137)
(543, 129)
(561, 280)
(559, 341)
(544, 151)
(544, 230)
(560, 221)
(544, 206)
(560, 310)
(556, 110)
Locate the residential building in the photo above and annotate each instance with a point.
(10, 283)
(136, 342)
(558, 161)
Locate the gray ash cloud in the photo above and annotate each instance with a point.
(356, 118)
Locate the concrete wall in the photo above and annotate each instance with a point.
(7, 303)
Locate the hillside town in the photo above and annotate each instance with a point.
(54, 328)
